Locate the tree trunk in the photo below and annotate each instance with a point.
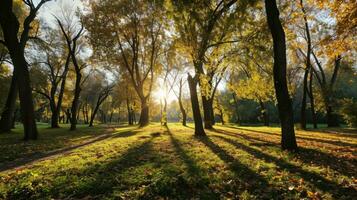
(312, 102)
(221, 115)
(54, 119)
(332, 118)
(182, 109)
(236, 108)
(130, 117)
(68, 115)
(144, 115)
(303, 102)
(75, 101)
(264, 112)
(56, 113)
(10, 28)
(111, 116)
(13, 122)
(25, 94)
(93, 116)
(164, 117)
(8, 114)
(183, 112)
(199, 131)
(288, 140)
(212, 112)
(207, 112)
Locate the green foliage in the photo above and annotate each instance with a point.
(348, 111)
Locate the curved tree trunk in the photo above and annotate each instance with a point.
(199, 131)
(7, 116)
(288, 140)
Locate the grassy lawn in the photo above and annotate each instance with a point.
(156, 162)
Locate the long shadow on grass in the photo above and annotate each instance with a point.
(253, 181)
(315, 179)
(193, 169)
(45, 155)
(338, 143)
(104, 178)
(117, 176)
(344, 166)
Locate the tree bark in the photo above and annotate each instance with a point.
(264, 112)
(130, 117)
(303, 101)
(236, 108)
(75, 101)
(207, 112)
(307, 69)
(199, 131)
(56, 112)
(182, 109)
(7, 116)
(332, 117)
(144, 114)
(10, 27)
(288, 140)
(312, 101)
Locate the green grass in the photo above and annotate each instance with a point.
(156, 162)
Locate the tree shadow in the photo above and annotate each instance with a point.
(338, 143)
(315, 179)
(39, 156)
(250, 179)
(98, 179)
(194, 171)
(193, 168)
(346, 166)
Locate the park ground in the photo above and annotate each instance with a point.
(156, 162)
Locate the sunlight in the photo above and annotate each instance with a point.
(159, 94)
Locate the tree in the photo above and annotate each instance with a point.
(136, 29)
(16, 47)
(71, 41)
(288, 140)
(56, 66)
(103, 94)
(197, 38)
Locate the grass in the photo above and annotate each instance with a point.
(156, 162)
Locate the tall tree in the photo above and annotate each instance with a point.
(71, 40)
(57, 66)
(16, 47)
(307, 68)
(136, 29)
(197, 38)
(288, 140)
